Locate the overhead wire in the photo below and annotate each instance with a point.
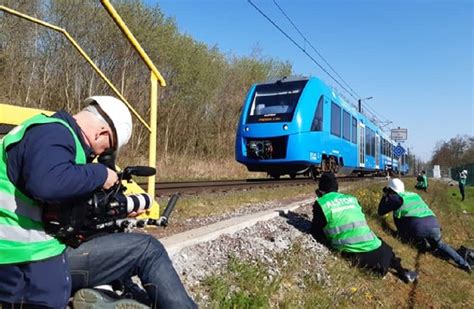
(301, 48)
(352, 93)
(314, 48)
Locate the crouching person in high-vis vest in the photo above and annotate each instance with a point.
(48, 160)
(415, 221)
(340, 224)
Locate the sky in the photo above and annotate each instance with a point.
(413, 57)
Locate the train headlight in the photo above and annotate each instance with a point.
(285, 127)
(246, 129)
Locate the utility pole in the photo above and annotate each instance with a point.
(359, 103)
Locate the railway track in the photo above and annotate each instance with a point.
(197, 187)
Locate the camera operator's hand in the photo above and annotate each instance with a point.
(134, 214)
(111, 180)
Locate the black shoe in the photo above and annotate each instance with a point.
(467, 268)
(95, 298)
(409, 276)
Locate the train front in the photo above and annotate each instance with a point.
(268, 135)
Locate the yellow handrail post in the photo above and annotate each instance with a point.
(83, 54)
(153, 125)
(154, 79)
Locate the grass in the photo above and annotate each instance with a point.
(441, 284)
(181, 168)
(211, 204)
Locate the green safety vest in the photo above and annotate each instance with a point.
(425, 181)
(422, 183)
(346, 227)
(22, 235)
(413, 206)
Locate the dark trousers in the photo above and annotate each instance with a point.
(378, 261)
(461, 189)
(41, 284)
(120, 256)
(433, 237)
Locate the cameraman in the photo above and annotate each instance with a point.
(47, 160)
(340, 224)
(415, 221)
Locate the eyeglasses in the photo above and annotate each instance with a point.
(111, 144)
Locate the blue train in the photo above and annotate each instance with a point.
(294, 126)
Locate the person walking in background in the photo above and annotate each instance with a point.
(462, 183)
(415, 221)
(340, 224)
(422, 181)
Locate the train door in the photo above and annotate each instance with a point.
(377, 151)
(361, 144)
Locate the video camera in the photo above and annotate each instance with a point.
(106, 211)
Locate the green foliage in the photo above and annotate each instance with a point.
(457, 151)
(245, 285)
(199, 108)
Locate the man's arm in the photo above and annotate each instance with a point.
(389, 202)
(43, 166)
(319, 222)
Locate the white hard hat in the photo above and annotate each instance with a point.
(465, 172)
(118, 113)
(396, 185)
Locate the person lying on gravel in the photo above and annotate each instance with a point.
(339, 223)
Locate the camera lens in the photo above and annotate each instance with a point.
(138, 202)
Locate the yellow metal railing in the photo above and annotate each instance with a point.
(83, 54)
(14, 115)
(154, 79)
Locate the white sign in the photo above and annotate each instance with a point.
(436, 171)
(399, 134)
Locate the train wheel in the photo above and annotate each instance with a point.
(275, 176)
(324, 166)
(333, 166)
(293, 175)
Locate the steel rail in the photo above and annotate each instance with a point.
(214, 186)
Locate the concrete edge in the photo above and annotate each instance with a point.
(176, 242)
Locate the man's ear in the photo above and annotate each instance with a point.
(108, 159)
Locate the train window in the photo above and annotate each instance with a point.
(372, 149)
(370, 142)
(275, 102)
(346, 125)
(354, 130)
(367, 141)
(317, 124)
(335, 119)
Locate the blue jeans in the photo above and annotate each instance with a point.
(120, 256)
(433, 236)
(40, 284)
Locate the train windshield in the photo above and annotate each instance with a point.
(275, 102)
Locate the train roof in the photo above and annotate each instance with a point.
(284, 79)
(348, 106)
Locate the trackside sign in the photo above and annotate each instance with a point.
(399, 134)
